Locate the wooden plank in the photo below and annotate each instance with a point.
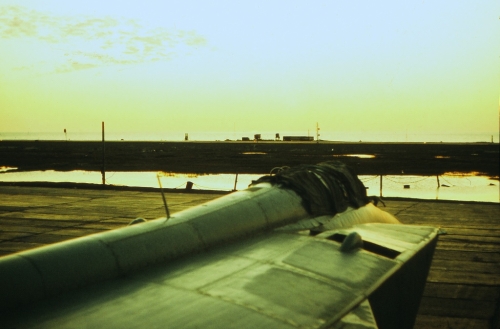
(77, 213)
(432, 210)
(10, 226)
(160, 212)
(443, 220)
(45, 238)
(103, 225)
(122, 221)
(471, 238)
(460, 291)
(466, 266)
(33, 222)
(440, 322)
(449, 225)
(53, 215)
(470, 278)
(463, 308)
(76, 232)
(5, 236)
(9, 247)
(472, 224)
(477, 247)
(467, 255)
(453, 230)
(40, 201)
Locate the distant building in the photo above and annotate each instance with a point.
(298, 138)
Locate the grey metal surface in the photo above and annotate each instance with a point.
(274, 280)
(359, 318)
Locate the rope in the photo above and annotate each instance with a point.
(183, 184)
(442, 178)
(208, 188)
(411, 182)
(179, 186)
(461, 176)
(369, 179)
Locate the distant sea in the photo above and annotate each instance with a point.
(265, 135)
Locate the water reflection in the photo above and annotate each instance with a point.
(362, 156)
(451, 186)
(222, 182)
(5, 168)
(253, 153)
(445, 187)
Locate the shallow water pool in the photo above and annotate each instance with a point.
(452, 186)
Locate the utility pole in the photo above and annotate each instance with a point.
(103, 171)
(317, 133)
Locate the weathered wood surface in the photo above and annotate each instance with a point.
(32, 217)
(463, 286)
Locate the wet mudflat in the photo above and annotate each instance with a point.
(250, 157)
(463, 286)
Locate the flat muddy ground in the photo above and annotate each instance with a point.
(251, 157)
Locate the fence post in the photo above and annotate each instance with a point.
(235, 182)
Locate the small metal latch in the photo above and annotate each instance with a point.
(351, 242)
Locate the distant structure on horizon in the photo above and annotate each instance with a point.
(298, 138)
(258, 137)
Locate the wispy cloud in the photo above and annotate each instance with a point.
(89, 42)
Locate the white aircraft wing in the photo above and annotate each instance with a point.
(274, 280)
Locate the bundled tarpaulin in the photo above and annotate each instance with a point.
(325, 188)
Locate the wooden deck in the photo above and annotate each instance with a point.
(463, 287)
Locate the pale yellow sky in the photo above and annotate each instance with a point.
(384, 66)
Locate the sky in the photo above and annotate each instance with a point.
(149, 65)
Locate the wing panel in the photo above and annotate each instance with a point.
(274, 280)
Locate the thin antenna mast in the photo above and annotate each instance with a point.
(163, 197)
